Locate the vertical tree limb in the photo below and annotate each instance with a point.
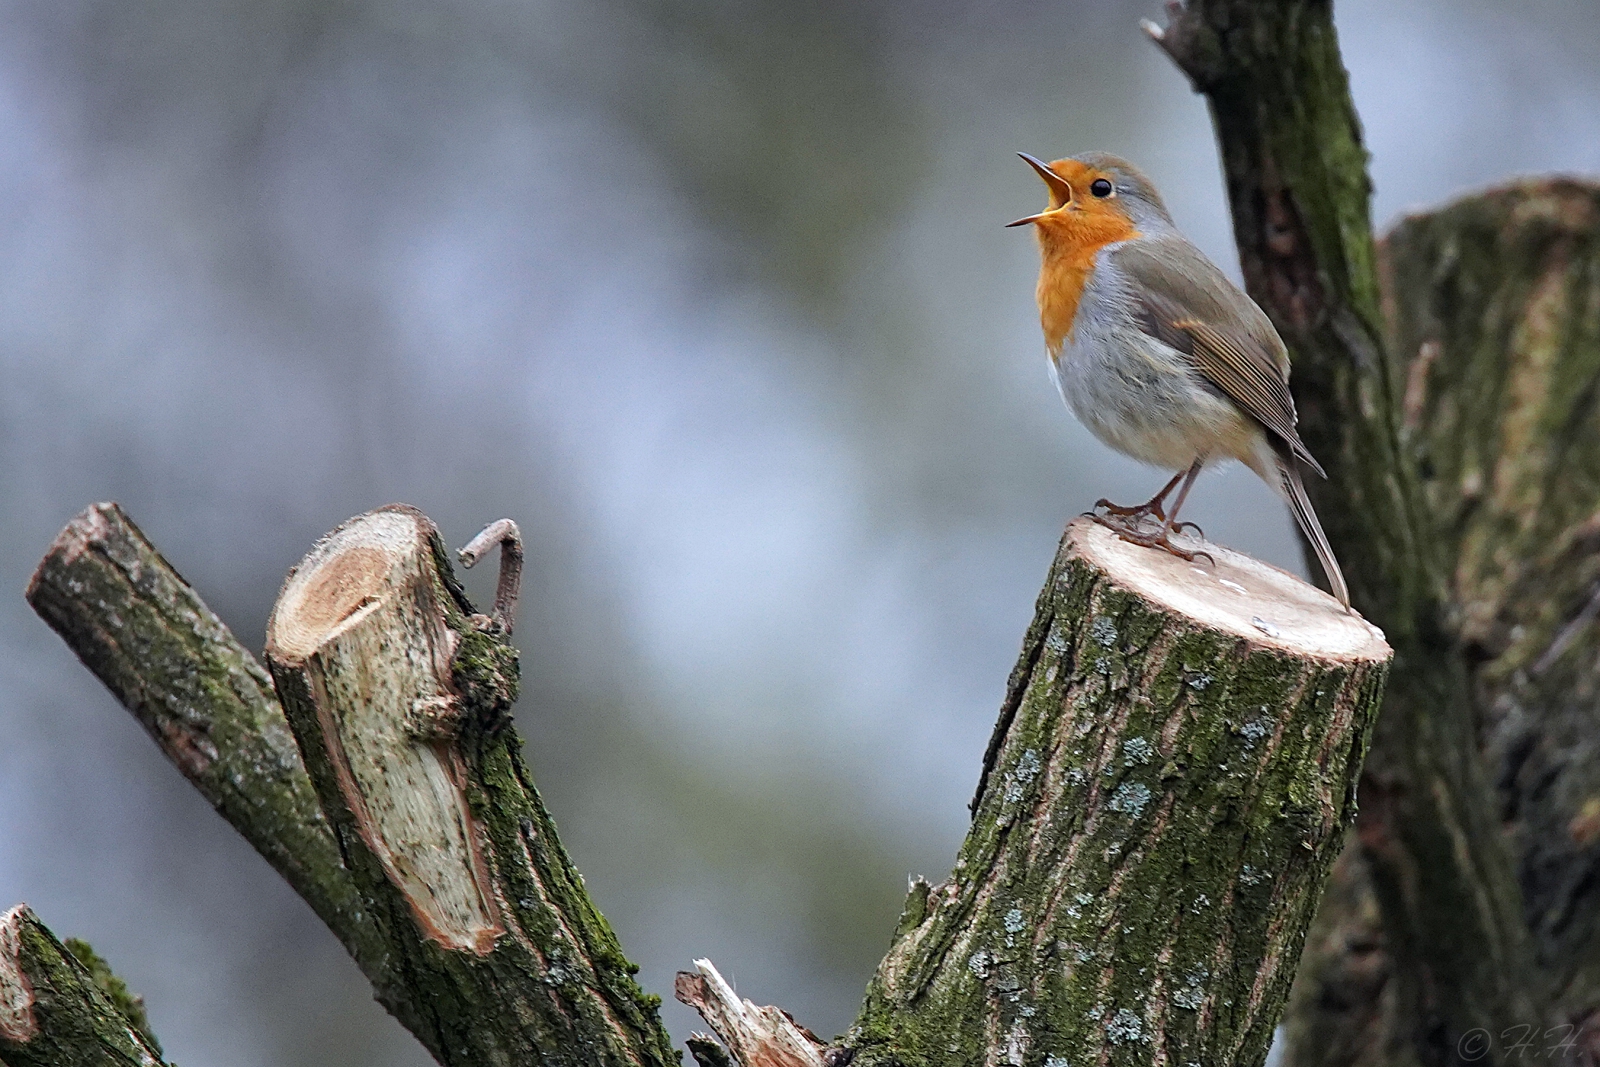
(1495, 312)
(1297, 185)
(1493, 306)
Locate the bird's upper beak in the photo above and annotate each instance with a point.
(1060, 191)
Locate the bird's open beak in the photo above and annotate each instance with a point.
(1060, 191)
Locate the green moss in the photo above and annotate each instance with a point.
(115, 989)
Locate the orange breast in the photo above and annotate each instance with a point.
(1068, 243)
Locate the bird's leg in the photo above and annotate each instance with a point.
(1153, 506)
(1162, 539)
(1149, 507)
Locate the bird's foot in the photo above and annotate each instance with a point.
(1150, 509)
(1160, 539)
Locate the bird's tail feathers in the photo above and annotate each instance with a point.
(1295, 491)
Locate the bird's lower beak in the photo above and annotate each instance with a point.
(1030, 218)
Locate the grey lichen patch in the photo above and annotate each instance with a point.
(1255, 729)
(1130, 798)
(1136, 750)
(1191, 994)
(1026, 770)
(1126, 1026)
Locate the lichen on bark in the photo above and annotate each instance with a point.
(1164, 802)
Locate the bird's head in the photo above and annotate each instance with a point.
(1095, 197)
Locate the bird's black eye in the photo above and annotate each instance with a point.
(1101, 187)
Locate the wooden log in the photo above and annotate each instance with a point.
(399, 694)
(58, 1010)
(1170, 779)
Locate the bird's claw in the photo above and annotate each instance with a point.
(1160, 539)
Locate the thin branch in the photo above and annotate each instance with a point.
(756, 1036)
(509, 587)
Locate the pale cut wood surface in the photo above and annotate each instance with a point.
(359, 619)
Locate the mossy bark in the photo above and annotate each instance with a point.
(62, 1007)
(1493, 309)
(205, 700)
(399, 696)
(200, 694)
(1295, 167)
(1162, 803)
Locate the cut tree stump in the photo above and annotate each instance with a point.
(60, 1010)
(399, 696)
(1168, 785)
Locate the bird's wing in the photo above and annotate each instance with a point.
(1183, 300)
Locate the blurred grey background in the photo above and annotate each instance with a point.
(714, 299)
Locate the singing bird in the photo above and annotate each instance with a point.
(1157, 352)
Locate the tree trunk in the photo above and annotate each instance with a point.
(400, 697)
(1445, 879)
(1493, 307)
(1169, 782)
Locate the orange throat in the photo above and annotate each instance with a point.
(1068, 244)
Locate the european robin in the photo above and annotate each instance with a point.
(1157, 352)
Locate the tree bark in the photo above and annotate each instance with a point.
(203, 698)
(1170, 779)
(400, 696)
(1493, 308)
(200, 694)
(1297, 185)
(57, 1010)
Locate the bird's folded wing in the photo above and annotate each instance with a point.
(1185, 302)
